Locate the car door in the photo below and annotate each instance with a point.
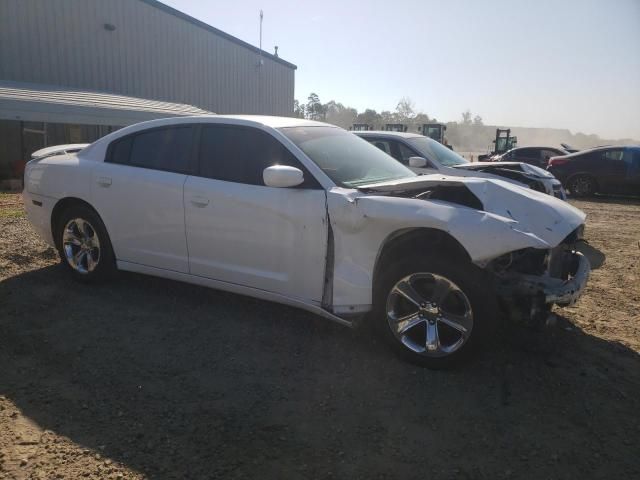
(612, 176)
(138, 192)
(243, 232)
(631, 183)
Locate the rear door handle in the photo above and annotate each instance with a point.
(200, 202)
(104, 182)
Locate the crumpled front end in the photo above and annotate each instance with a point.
(525, 238)
(530, 281)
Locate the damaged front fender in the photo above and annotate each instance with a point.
(362, 223)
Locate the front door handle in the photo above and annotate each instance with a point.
(104, 182)
(200, 202)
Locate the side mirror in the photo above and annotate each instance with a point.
(417, 162)
(282, 176)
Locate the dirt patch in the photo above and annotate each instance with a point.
(611, 307)
(148, 378)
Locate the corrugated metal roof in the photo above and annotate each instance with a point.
(71, 96)
(50, 103)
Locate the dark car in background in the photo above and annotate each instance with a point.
(538, 156)
(614, 170)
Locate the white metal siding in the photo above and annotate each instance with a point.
(151, 54)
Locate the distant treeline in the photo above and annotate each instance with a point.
(470, 134)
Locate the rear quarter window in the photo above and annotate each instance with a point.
(120, 151)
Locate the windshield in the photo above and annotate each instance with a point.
(346, 159)
(430, 148)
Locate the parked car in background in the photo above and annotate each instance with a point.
(307, 214)
(537, 156)
(403, 146)
(613, 170)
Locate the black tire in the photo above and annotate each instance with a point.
(470, 280)
(104, 265)
(582, 186)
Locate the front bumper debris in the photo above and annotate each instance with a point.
(559, 191)
(559, 291)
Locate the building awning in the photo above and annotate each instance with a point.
(55, 104)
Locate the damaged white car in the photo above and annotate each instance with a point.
(309, 215)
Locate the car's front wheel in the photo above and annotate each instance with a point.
(434, 311)
(83, 244)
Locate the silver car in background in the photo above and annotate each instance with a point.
(440, 159)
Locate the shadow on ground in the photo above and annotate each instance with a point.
(178, 381)
(595, 256)
(612, 199)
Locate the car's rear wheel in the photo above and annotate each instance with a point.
(433, 311)
(83, 244)
(582, 186)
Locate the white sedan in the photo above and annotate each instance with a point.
(309, 215)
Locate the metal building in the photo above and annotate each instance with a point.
(141, 49)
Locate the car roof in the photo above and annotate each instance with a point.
(265, 120)
(602, 149)
(378, 133)
(98, 148)
(277, 122)
(537, 147)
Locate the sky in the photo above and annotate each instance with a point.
(539, 63)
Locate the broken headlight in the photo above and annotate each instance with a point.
(530, 261)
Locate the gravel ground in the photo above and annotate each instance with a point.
(148, 378)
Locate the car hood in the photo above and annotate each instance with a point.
(523, 168)
(527, 211)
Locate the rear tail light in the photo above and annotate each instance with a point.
(555, 161)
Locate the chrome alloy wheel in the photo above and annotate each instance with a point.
(429, 314)
(81, 245)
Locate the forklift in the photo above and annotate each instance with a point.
(502, 144)
(434, 131)
(395, 127)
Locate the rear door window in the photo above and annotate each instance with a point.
(167, 149)
(120, 150)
